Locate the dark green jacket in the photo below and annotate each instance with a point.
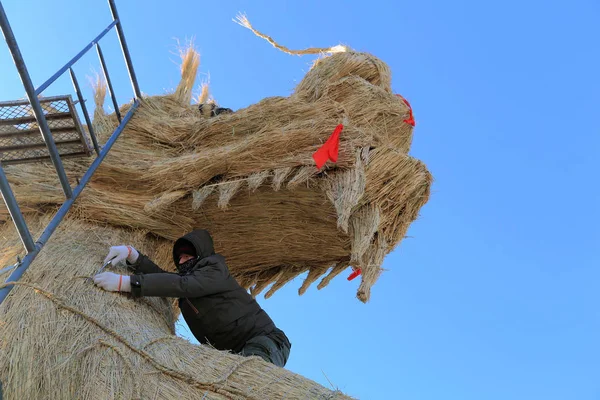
(216, 308)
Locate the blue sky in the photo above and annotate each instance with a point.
(495, 295)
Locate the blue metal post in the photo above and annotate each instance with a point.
(62, 211)
(35, 103)
(125, 49)
(86, 115)
(108, 82)
(15, 212)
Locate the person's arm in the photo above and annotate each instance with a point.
(202, 282)
(143, 265)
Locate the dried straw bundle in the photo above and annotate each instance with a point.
(250, 179)
(62, 338)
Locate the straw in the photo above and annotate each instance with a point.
(64, 338)
(174, 170)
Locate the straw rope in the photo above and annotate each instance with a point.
(225, 376)
(136, 391)
(242, 20)
(157, 340)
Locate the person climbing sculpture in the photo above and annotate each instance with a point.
(216, 308)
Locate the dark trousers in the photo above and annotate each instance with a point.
(271, 348)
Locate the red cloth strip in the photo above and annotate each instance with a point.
(411, 119)
(330, 149)
(354, 274)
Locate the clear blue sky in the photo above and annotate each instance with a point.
(496, 295)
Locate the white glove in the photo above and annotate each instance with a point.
(118, 254)
(113, 282)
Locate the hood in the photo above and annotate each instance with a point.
(199, 240)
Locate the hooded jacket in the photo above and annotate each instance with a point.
(216, 308)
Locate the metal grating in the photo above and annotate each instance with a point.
(20, 137)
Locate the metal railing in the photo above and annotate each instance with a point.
(33, 248)
(20, 139)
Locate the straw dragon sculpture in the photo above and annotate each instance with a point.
(249, 177)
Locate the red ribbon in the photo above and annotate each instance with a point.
(411, 118)
(354, 274)
(330, 149)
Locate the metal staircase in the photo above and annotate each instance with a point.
(41, 129)
(20, 140)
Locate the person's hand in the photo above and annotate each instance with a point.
(113, 282)
(118, 254)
